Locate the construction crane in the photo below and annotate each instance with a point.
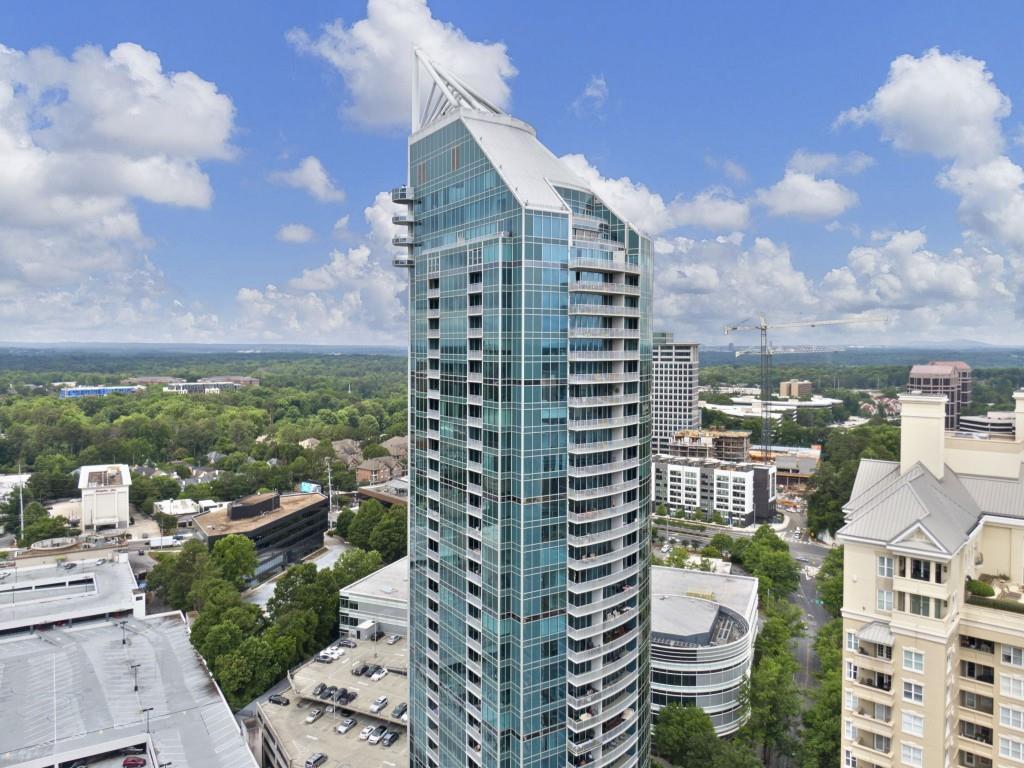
(762, 325)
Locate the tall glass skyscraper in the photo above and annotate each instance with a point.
(529, 449)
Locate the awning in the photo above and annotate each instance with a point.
(876, 632)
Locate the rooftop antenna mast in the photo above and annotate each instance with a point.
(330, 489)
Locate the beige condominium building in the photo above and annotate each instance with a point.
(933, 665)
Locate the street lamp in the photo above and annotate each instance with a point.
(147, 710)
(124, 632)
(135, 672)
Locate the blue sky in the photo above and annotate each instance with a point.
(785, 160)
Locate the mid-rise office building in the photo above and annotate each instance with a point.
(104, 496)
(529, 449)
(943, 377)
(285, 527)
(933, 598)
(676, 367)
(795, 388)
(737, 493)
(97, 391)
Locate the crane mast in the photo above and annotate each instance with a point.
(762, 326)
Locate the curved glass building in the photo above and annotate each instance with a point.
(529, 449)
(702, 642)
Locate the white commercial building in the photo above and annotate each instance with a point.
(703, 628)
(674, 396)
(741, 494)
(381, 598)
(104, 496)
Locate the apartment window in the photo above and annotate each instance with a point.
(851, 641)
(881, 743)
(1011, 748)
(1011, 717)
(851, 671)
(1012, 655)
(913, 724)
(851, 700)
(885, 567)
(883, 600)
(849, 760)
(912, 755)
(882, 712)
(921, 570)
(913, 692)
(849, 730)
(920, 605)
(913, 660)
(1011, 685)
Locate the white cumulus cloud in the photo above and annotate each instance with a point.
(82, 138)
(310, 175)
(375, 58)
(804, 195)
(949, 106)
(711, 209)
(355, 295)
(593, 97)
(944, 104)
(295, 233)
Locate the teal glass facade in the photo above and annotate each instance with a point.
(529, 466)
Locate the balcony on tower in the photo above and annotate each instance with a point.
(405, 219)
(403, 241)
(403, 195)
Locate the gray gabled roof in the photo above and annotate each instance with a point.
(915, 509)
(997, 495)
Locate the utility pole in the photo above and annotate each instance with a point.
(330, 489)
(21, 502)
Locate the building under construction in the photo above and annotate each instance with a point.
(712, 443)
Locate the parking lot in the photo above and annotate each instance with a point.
(300, 740)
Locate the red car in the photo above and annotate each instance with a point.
(134, 762)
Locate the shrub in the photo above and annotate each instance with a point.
(980, 588)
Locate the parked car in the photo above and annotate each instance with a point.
(371, 670)
(314, 715)
(347, 643)
(398, 711)
(380, 674)
(392, 639)
(378, 734)
(133, 762)
(316, 760)
(365, 733)
(358, 669)
(278, 699)
(328, 693)
(341, 695)
(319, 688)
(324, 658)
(378, 704)
(389, 738)
(347, 725)
(68, 566)
(351, 696)
(377, 635)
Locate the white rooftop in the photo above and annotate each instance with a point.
(388, 583)
(83, 677)
(51, 594)
(685, 602)
(104, 476)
